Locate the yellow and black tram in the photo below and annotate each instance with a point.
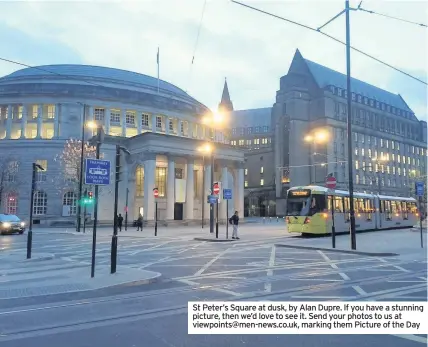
(309, 211)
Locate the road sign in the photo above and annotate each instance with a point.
(419, 188)
(155, 192)
(330, 182)
(212, 199)
(216, 188)
(227, 194)
(97, 172)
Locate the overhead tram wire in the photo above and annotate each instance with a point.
(392, 17)
(331, 37)
(197, 40)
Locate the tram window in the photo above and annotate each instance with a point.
(318, 204)
(338, 205)
(393, 207)
(404, 210)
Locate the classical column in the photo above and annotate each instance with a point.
(170, 191)
(56, 121)
(9, 121)
(239, 190)
(123, 118)
(224, 185)
(139, 122)
(207, 189)
(154, 130)
(190, 191)
(149, 184)
(107, 121)
(24, 121)
(166, 125)
(39, 121)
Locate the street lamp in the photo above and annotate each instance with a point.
(116, 196)
(98, 139)
(30, 228)
(317, 136)
(82, 150)
(207, 148)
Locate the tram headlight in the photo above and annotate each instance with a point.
(6, 225)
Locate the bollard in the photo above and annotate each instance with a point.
(29, 243)
(113, 254)
(277, 219)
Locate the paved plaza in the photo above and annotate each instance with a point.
(38, 308)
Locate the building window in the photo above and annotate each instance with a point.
(99, 114)
(145, 120)
(40, 203)
(161, 180)
(356, 164)
(171, 124)
(245, 171)
(139, 181)
(158, 122)
(261, 170)
(41, 175)
(250, 130)
(130, 119)
(115, 117)
(256, 141)
(262, 182)
(11, 171)
(11, 203)
(245, 183)
(51, 111)
(240, 142)
(257, 129)
(70, 199)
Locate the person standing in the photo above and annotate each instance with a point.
(140, 222)
(234, 220)
(119, 222)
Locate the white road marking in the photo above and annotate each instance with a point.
(358, 289)
(150, 248)
(268, 285)
(207, 265)
(220, 290)
(413, 338)
(395, 266)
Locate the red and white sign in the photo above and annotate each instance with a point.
(330, 182)
(216, 188)
(156, 192)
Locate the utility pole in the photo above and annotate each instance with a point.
(126, 209)
(94, 229)
(212, 192)
(116, 195)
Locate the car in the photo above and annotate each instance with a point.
(10, 224)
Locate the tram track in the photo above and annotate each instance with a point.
(182, 309)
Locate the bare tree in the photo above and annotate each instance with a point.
(69, 160)
(9, 168)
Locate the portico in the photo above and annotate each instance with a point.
(176, 167)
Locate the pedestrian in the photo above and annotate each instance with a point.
(234, 220)
(119, 222)
(140, 222)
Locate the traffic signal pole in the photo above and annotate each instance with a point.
(116, 194)
(94, 230)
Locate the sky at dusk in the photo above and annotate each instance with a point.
(251, 49)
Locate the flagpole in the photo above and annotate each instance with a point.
(158, 68)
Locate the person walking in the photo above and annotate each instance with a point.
(234, 220)
(140, 222)
(119, 222)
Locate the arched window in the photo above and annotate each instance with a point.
(11, 203)
(70, 199)
(40, 203)
(139, 181)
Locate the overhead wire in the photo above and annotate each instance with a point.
(331, 37)
(392, 17)
(197, 40)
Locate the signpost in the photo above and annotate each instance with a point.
(227, 195)
(156, 195)
(419, 189)
(97, 172)
(330, 183)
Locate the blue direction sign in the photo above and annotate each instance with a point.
(212, 199)
(97, 172)
(227, 194)
(419, 188)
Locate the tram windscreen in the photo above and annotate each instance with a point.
(303, 203)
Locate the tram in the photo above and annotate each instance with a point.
(310, 210)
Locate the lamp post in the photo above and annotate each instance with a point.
(116, 198)
(30, 228)
(207, 148)
(82, 153)
(317, 136)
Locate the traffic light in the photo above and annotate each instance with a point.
(90, 196)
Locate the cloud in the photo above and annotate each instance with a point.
(251, 49)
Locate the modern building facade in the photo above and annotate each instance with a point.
(308, 126)
(160, 125)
